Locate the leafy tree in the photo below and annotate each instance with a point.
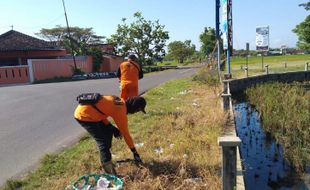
(97, 54)
(306, 5)
(181, 50)
(208, 40)
(79, 37)
(303, 31)
(142, 37)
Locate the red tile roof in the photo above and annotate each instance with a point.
(16, 41)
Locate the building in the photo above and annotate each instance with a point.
(16, 48)
(26, 59)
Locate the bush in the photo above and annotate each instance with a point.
(207, 76)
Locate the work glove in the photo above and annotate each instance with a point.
(136, 156)
(116, 133)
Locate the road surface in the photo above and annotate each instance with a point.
(38, 119)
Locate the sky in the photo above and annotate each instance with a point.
(183, 19)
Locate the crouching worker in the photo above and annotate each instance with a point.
(92, 113)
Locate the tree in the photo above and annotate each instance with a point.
(306, 5)
(142, 37)
(303, 31)
(97, 54)
(208, 40)
(80, 38)
(181, 50)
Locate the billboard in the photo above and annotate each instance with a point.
(226, 18)
(262, 38)
(224, 23)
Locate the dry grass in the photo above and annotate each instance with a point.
(187, 137)
(178, 145)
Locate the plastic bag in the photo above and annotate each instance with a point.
(98, 182)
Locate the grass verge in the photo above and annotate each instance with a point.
(277, 64)
(177, 140)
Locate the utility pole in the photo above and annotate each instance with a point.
(69, 35)
(217, 32)
(229, 36)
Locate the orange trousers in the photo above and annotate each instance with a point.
(128, 90)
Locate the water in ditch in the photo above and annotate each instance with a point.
(262, 157)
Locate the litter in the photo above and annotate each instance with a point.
(183, 92)
(193, 180)
(159, 150)
(103, 183)
(138, 145)
(195, 104)
(97, 182)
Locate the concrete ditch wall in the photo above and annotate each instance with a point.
(233, 86)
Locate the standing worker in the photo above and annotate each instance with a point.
(93, 118)
(129, 72)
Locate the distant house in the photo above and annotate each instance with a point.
(26, 59)
(16, 48)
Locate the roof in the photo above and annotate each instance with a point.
(16, 41)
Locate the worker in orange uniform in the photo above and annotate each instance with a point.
(129, 72)
(93, 118)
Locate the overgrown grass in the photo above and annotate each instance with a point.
(177, 138)
(285, 111)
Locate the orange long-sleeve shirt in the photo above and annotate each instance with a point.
(111, 107)
(129, 72)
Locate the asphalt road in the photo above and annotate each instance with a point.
(38, 119)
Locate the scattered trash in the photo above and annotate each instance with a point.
(171, 145)
(177, 108)
(172, 98)
(159, 150)
(185, 156)
(138, 145)
(193, 180)
(103, 183)
(195, 104)
(183, 92)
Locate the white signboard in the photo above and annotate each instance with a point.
(224, 23)
(262, 38)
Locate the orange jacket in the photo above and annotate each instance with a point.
(112, 107)
(129, 72)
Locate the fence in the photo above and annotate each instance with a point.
(14, 74)
(50, 68)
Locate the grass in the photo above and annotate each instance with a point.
(176, 63)
(276, 64)
(285, 112)
(177, 138)
(165, 63)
